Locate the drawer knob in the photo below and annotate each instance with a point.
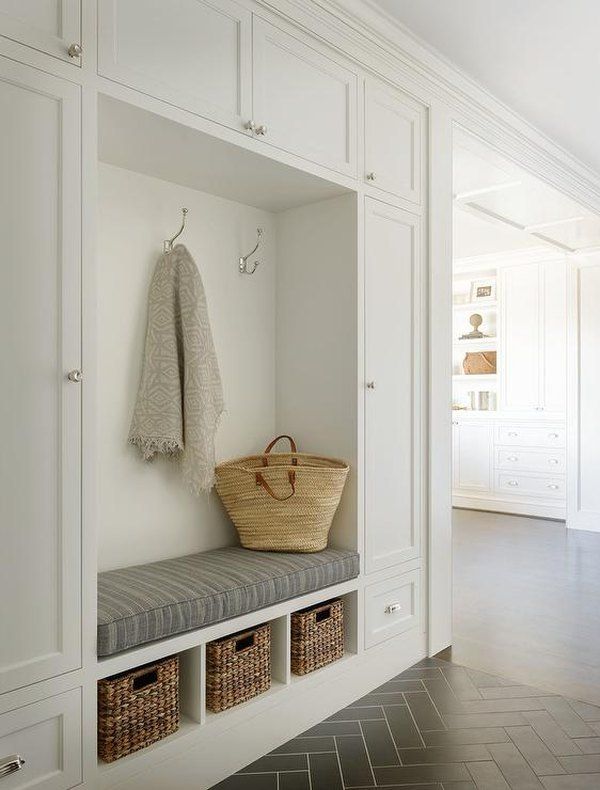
(553, 436)
(250, 126)
(513, 433)
(553, 486)
(513, 483)
(513, 457)
(371, 385)
(553, 461)
(261, 130)
(75, 376)
(393, 607)
(371, 176)
(11, 764)
(75, 51)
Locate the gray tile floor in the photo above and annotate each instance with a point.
(440, 726)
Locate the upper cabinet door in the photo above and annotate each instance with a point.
(393, 141)
(553, 373)
(195, 54)
(52, 26)
(392, 391)
(40, 479)
(520, 338)
(304, 101)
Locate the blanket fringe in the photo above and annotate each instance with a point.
(149, 447)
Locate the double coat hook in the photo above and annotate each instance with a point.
(243, 263)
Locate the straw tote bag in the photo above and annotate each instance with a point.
(282, 501)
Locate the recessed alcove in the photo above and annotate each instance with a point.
(286, 337)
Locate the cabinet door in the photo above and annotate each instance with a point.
(393, 129)
(553, 362)
(194, 54)
(304, 99)
(392, 414)
(40, 208)
(519, 361)
(472, 457)
(51, 26)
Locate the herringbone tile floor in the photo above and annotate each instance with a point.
(440, 726)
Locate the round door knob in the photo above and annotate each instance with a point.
(75, 51)
(75, 376)
(370, 385)
(261, 130)
(371, 176)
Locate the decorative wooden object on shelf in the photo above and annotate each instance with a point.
(137, 708)
(238, 668)
(317, 636)
(475, 320)
(477, 363)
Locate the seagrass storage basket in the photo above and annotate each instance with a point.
(238, 667)
(282, 501)
(317, 636)
(137, 708)
(479, 363)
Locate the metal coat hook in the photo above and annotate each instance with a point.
(243, 263)
(168, 243)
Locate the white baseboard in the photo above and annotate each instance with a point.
(513, 508)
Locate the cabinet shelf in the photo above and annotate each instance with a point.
(480, 343)
(458, 306)
(491, 377)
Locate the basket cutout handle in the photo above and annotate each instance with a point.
(144, 680)
(260, 481)
(323, 614)
(244, 642)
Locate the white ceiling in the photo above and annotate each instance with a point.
(541, 57)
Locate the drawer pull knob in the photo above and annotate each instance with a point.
(513, 483)
(513, 457)
(513, 433)
(553, 461)
(553, 486)
(261, 130)
(371, 385)
(75, 51)
(371, 176)
(75, 376)
(393, 607)
(11, 764)
(553, 436)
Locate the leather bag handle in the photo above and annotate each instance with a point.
(272, 444)
(260, 480)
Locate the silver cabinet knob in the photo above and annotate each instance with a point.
(75, 51)
(370, 385)
(393, 607)
(513, 483)
(513, 457)
(11, 764)
(553, 436)
(371, 176)
(513, 433)
(553, 461)
(75, 376)
(250, 126)
(454, 422)
(553, 487)
(261, 130)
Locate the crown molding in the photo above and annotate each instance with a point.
(362, 31)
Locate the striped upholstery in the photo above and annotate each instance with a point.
(148, 602)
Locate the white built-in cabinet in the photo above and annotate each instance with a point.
(197, 56)
(533, 335)
(214, 58)
(392, 286)
(40, 464)
(50, 26)
(472, 456)
(393, 141)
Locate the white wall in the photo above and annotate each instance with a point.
(145, 511)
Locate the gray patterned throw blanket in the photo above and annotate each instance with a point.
(180, 399)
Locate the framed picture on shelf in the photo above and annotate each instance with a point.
(483, 290)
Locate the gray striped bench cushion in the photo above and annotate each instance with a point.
(147, 602)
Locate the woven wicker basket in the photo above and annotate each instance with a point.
(137, 708)
(477, 363)
(282, 501)
(317, 636)
(238, 667)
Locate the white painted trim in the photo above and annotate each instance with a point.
(513, 508)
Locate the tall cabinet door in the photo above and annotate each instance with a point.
(520, 338)
(51, 26)
(392, 436)
(40, 563)
(553, 370)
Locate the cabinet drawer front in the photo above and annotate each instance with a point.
(195, 54)
(393, 132)
(531, 435)
(392, 607)
(47, 736)
(50, 26)
(306, 101)
(530, 485)
(520, 459)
